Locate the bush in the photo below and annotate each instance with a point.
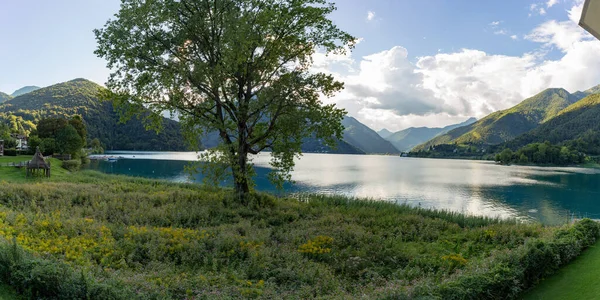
(10, 152)
(509, 275)
(72, 165)
(40, 278)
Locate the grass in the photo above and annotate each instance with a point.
(161, 240)
(578, 280)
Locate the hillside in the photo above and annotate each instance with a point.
(4, 97)
(384, 133)
(409, 138)
(502, 126)
(80, 96)
(309, 145)
(24, 90)
(577, 125)
(365, 138)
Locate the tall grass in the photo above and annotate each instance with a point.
(163, 240)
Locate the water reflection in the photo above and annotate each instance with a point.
(474, 187)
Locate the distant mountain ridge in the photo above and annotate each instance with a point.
(409, 138)
(505, 125)
(384, 133)
(24, 90)
(4, 97)
(366, 139)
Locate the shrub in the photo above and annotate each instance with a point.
(72, 165)
(41, 278)
(508, 275)
(10, 152)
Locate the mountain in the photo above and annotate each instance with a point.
(578, 126)
(4, 97)
(365, 138)
(384, 133)
(505, 125)
(309, 145)
(409, 138)
(80, 97)
(24, 90)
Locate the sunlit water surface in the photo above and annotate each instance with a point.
(550, 195)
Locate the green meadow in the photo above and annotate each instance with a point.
(91, 235)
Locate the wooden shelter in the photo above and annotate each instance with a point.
(38, 164)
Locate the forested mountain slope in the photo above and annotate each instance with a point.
(577, 126)
(502, 126)
(80, 97)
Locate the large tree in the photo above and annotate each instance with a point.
(241, 68)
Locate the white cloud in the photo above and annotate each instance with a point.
(386, 89)
(514, 37)
(560, 34)
(370, 15)
(537, 9)
(501, 32)
(495, 23)
(551, 3)
(576, 11)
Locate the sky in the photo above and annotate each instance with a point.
(417, 63)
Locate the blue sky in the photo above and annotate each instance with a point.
(433, 62)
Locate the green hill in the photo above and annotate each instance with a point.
(80, 97)
(365, 138)
(577, 125)
(4, 97)
(505, 125)
(24, 90)
(409, 138)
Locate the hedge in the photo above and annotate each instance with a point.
(10, 152)
(509, 274)
(39, 278)
(72, 165)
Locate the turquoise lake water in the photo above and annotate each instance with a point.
(549, 195)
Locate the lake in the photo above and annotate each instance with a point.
(549, 195)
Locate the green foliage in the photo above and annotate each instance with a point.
(175, 241)
(507, 275)
(69, 141)
(80, 97)
(96, 146)
(72, 165)
(47, 278)
(49, 127)
(10, 152)
(577, 127)
(250, 81)
(542, 153)
(505, 157)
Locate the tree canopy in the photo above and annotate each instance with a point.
(238, 67)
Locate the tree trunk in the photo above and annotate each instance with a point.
(242, 185)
